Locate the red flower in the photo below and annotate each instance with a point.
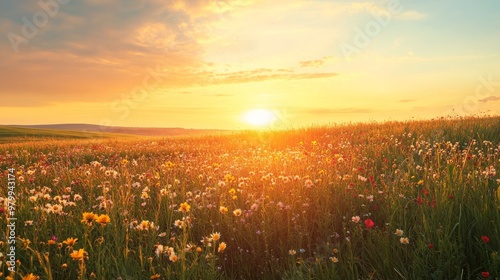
(430, 246)
(419, 200)
(485, 274)
(485, 239)
(369, 223)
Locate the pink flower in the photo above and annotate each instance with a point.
(369, 224)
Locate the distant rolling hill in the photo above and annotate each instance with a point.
(142, 131)
(18, 133)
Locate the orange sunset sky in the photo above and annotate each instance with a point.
(205, 64)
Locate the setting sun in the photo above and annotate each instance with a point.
(260, 117)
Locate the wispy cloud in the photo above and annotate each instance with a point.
(370, 7)
(407, 100)
(383, 8)
(331, 111)
(411, 15)
(259, 75)
(490, 99)
(220, 95)
(316, 63)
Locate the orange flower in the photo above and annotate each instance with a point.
(173, 257)
(215, 236)
(222, 209)
(404, 240)
(145, 225)
(185, 207)
(103, 219)
(77, 255)
(30, 277)
(88, 218)
(222, 247)
(70, 241)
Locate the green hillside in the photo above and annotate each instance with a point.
(13, 134)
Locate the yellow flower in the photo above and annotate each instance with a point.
(144, 225)
(30, 277)
(103, 219)
(51, 242)
(185, 207)
(156, 276)
(228, 178)
(237, 212)
(215, 236)
(70, 241)
(222, 247)
(25, 242)
(223, 209)
(88, 218)
(77, 255)
(334, 259)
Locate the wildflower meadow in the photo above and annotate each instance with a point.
(397, 200)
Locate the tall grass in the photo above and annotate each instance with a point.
(294, 204)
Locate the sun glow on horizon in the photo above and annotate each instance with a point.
(259, 117)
